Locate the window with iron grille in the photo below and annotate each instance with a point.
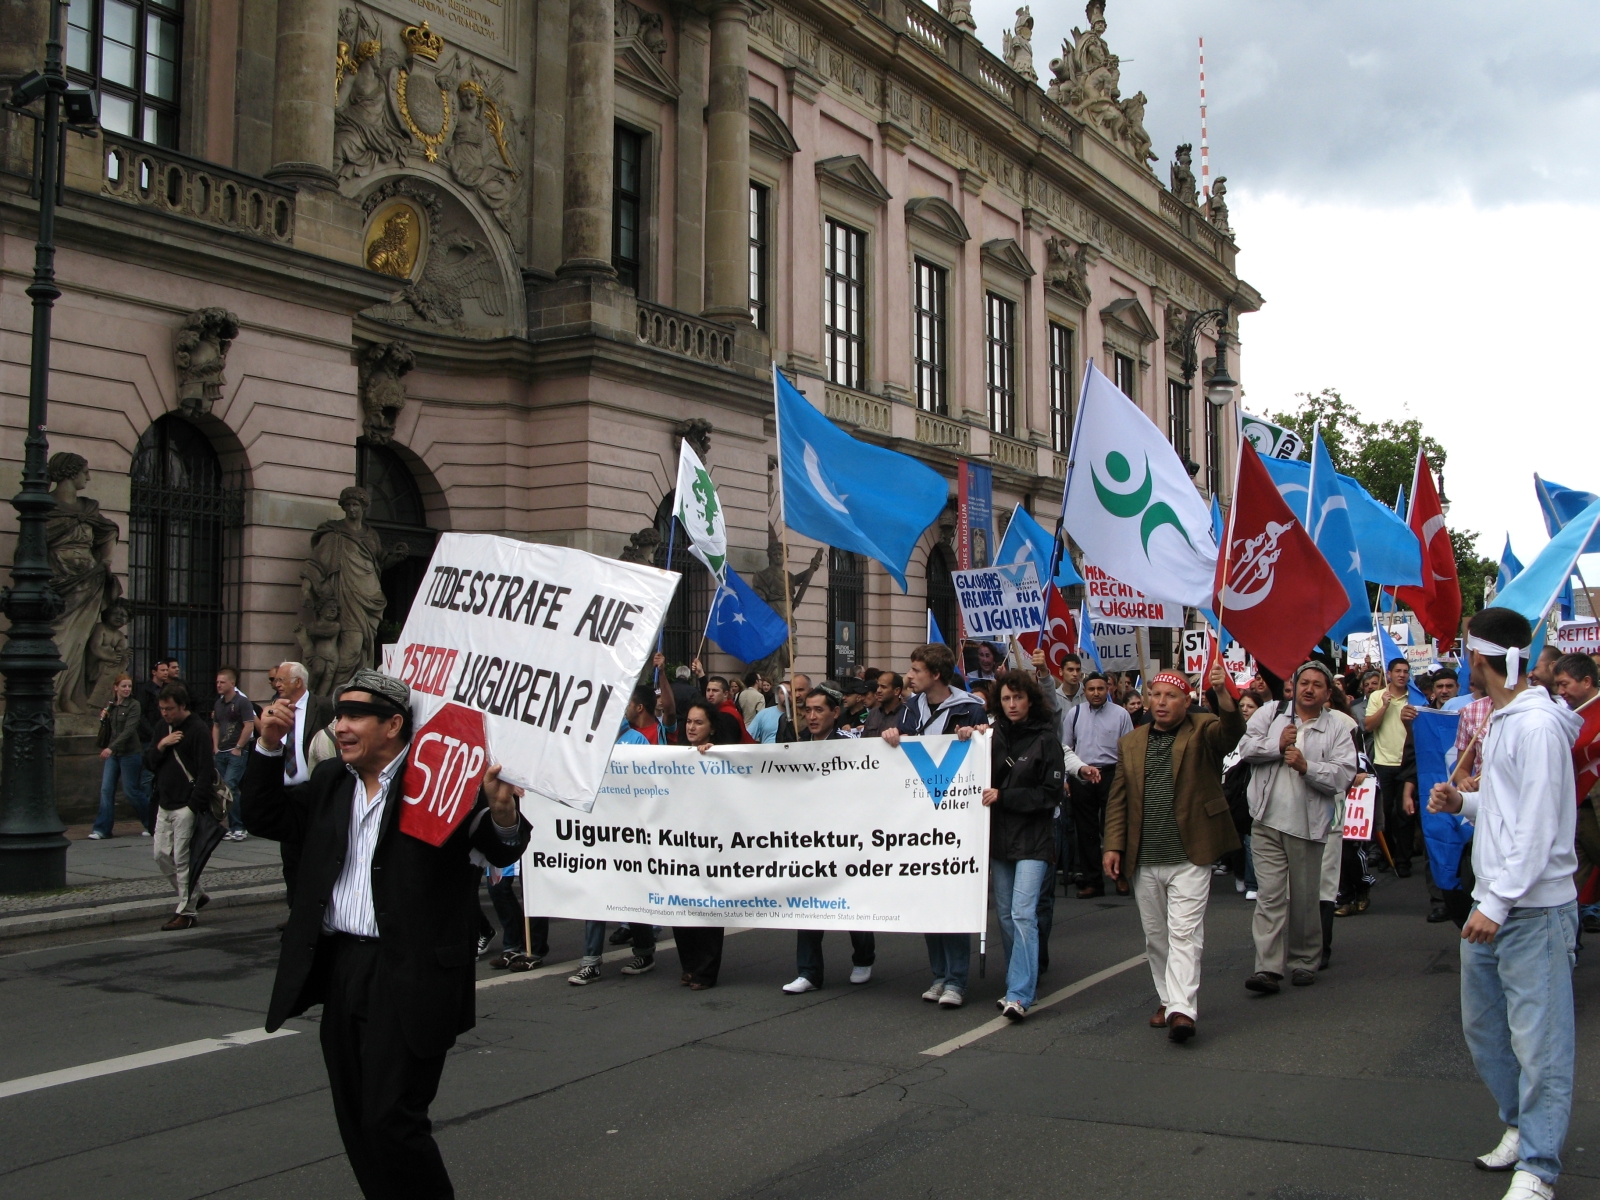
(184, 548)
(627, 205)
(942, 592)
(1126, 379)
(1178, 431)
(398, 515)
(759, 263)
(847, 613)
(691, 603)
(126, 52)
(1213, 449)
(928, 337)
(1060, 388)
(1000, 328)
(844, 302)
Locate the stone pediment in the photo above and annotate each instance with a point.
(769, 133)
(937, 216)
(1128, 316)
(641, 47)
(850, 172)
(1008, 256)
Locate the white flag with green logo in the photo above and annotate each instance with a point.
(1270, 441)
(1130, 504)
(700, 512)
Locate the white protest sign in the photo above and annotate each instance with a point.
(1359, 806)
(539, 647)
(1578, 637)
(844, 834)
(1118, 645)
(1418, 656)
(1112, 600)
(1363, 647)
(1000, 602)
(1240, 666)
(1196, 650)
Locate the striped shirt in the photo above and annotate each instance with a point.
(350, 908)
(1160, 842)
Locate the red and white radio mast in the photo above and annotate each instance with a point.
(1205, 149)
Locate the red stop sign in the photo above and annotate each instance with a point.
(449, 755)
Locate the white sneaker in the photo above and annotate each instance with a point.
(952, 998)
(933, 993)
(860, 974)
(1504, 1156)
(800, 986)
(1250, 895)
(1238, 886)
(1525, 1185)
(96, 836)
(146, 833)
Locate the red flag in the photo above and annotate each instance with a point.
(1586, 752)
(1274, 591)
(1437, 602)
(1060, 634)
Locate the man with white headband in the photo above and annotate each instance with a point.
(1519, 943)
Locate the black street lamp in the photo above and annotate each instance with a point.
(1219, 385)
(33, 854)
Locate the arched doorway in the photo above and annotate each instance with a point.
(399, 516)
(184, 521)
(691, 603)
(942, 593)
(847, 613)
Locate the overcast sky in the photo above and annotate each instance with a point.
(1415, 189)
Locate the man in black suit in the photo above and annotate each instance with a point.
(311, 713)
(383, 931)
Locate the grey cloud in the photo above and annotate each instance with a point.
(1372, 102)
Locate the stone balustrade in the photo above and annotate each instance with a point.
(857, 408)
(1009, 452)
(145, 175)
(943, 433)
(691, 337)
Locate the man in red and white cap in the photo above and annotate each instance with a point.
(1167, 822)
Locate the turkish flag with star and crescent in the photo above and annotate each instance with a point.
(1437, 602)
(1274, 591)
(1060, 635)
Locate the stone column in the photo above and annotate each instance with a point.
(302, 101)
(689, 251)
(728, 165)
(590, 133)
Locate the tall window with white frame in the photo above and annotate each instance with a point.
(627, 205)
(1213, 420)
(844, 304)
(928, 337)
(1125, 377)
(760, 197)
(1178, 422)
(1000, 332)
(1060, 388)
(126, 52)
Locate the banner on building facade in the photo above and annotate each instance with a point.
(1114, 601)
(849, 834)
(975, 516)
(521, 654)
(1000, 602)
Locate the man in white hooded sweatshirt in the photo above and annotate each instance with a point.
(1520, 942)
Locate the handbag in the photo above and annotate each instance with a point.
(221, 793)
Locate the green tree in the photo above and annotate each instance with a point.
(1472, 570)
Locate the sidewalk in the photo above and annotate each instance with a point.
(117, 880)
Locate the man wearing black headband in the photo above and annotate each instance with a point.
(383, 928)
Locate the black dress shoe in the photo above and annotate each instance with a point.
(1437, 914)
(1402, 870)
(1263, 983)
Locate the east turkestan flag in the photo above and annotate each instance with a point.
(700, 512)
(1328, 519)
(1129, 502)
(742, 623)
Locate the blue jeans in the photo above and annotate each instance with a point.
(1016, 898)
(128, 768)
(1516, 1014)
(230, 769)
(594, 941)
(950, 958)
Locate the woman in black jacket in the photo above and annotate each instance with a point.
(1027, 775)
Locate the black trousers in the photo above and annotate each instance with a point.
(699, 952)
(381, 1091)
(1399, 829)
(808, 951)
(1089, 821)
(289, 854)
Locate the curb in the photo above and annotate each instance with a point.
(128, 910)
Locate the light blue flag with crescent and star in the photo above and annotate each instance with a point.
(1327, 519)
(1390, 552)
(741, 622)
(1540, 584)
(935, 634)
(1510, 568)
(849, 494)
(1086, 644)
(1028, 541)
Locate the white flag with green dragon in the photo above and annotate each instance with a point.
(700, 512)
(1130, 504)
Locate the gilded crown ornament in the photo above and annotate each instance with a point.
(422, 42)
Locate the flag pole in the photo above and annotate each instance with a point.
(783, 538)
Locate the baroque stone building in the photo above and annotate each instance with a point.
(490, 259)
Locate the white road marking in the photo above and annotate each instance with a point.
(1066, 993)
(132, 1062)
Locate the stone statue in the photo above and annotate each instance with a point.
(768, 582)
(200, 350)
(479, 155)
(697, 432)
(1067, 269)
(319, 647)
(1087, 81)
(631, 21)
(108, 654)
(1017, 46)
(383, 394)
(1217, 206)
(959, 14)
(1133, 129)
(1183, 186)
(366, 134)
(641, 547)
(346, 565)
(80, 543)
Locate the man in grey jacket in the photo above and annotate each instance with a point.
(1303, 759)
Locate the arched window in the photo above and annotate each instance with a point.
(942, 593)
(847, 613)
(691, 603)
(398, 514)
(183, 553)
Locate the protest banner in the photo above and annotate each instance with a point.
(1196, 651)
(1578, 637)
(1000, 602)
(1359, 805)
(1240, 666)
(521, 654)
(1112, 600)
(1118, 645)
(848, 834)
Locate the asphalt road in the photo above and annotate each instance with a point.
(635, 1087)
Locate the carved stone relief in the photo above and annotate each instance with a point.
(641, 547)
(200, 351)
(382, 368)
(460, 286)
(1066, 269)
(1087, 81)
(697, 432)
(1183, 185)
